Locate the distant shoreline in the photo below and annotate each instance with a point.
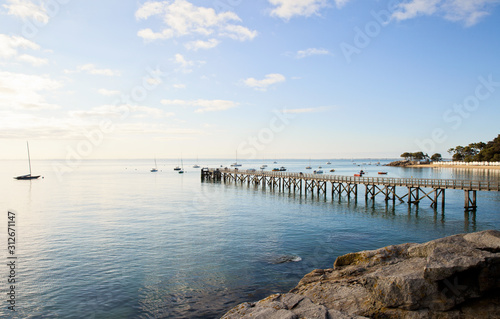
(455, 166)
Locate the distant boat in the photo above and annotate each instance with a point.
(181, 171)
(309, 167)
(328, 163)
(332, 170)
(235, 164)
(28, 176)
(382, 173)
(360, 174)
(318, 172)
(263, 166)
(196, 165)
(154, 169)
(282, 169)
(177, 168)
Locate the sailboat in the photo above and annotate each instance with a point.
(196, 165)
(182, 169)
(154, 169)
(309, 167)
(29, 176)
(177, 168)
(235, 164)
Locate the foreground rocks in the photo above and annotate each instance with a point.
(452, 277)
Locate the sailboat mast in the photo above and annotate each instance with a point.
(29, 159)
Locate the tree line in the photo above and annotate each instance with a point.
(477, 152)
(420, 156)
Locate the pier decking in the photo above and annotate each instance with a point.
(348, 185)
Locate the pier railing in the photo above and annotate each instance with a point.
(318, 183)
(386, 181)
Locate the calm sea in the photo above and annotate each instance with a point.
(110, 239)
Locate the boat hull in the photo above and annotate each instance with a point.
(26, 177)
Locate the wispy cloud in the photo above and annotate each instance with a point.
(307, 110)
(200, 44)
(10, 46)
(468, 12)
(26, 92)
(93, 70)
(263, 84)
(311, 51)
(203, 105)
(184, 64)
(27, 9)
(181, 18)
(287, 9)
(121, 111)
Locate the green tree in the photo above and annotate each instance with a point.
(406, 156)
(436, 157)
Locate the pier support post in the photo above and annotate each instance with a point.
(470, 202)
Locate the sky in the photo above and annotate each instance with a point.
(261, 79)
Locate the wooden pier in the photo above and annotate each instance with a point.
(416, 189)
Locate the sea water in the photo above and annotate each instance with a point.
(110, 239)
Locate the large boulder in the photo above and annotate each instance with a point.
(452, 277)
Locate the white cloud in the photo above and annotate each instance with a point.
(26, 9)
(32, 60)
(287, 9)
(238, 32)
(467, 11)
(93, 70)
(186, 65)
(306, 110)
(263, 84)
(10, 46)
(200, 44)
(106, 92)
(23, 91)
(203, 105)
(341, 3)
(311, 51)
(120, 111)
(179, 86)
(182, 18)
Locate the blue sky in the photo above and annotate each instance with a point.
(265, 78)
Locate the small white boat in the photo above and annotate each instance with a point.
(154, 169)
(235, 164)
(328, 163)
(28, 176)
(318, 172)
(196, 165)
(181, 171)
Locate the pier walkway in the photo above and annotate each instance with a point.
(386, 186)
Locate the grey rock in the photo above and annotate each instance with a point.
(452, 277)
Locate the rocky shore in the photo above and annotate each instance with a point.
(404, 163)
(451, 277)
